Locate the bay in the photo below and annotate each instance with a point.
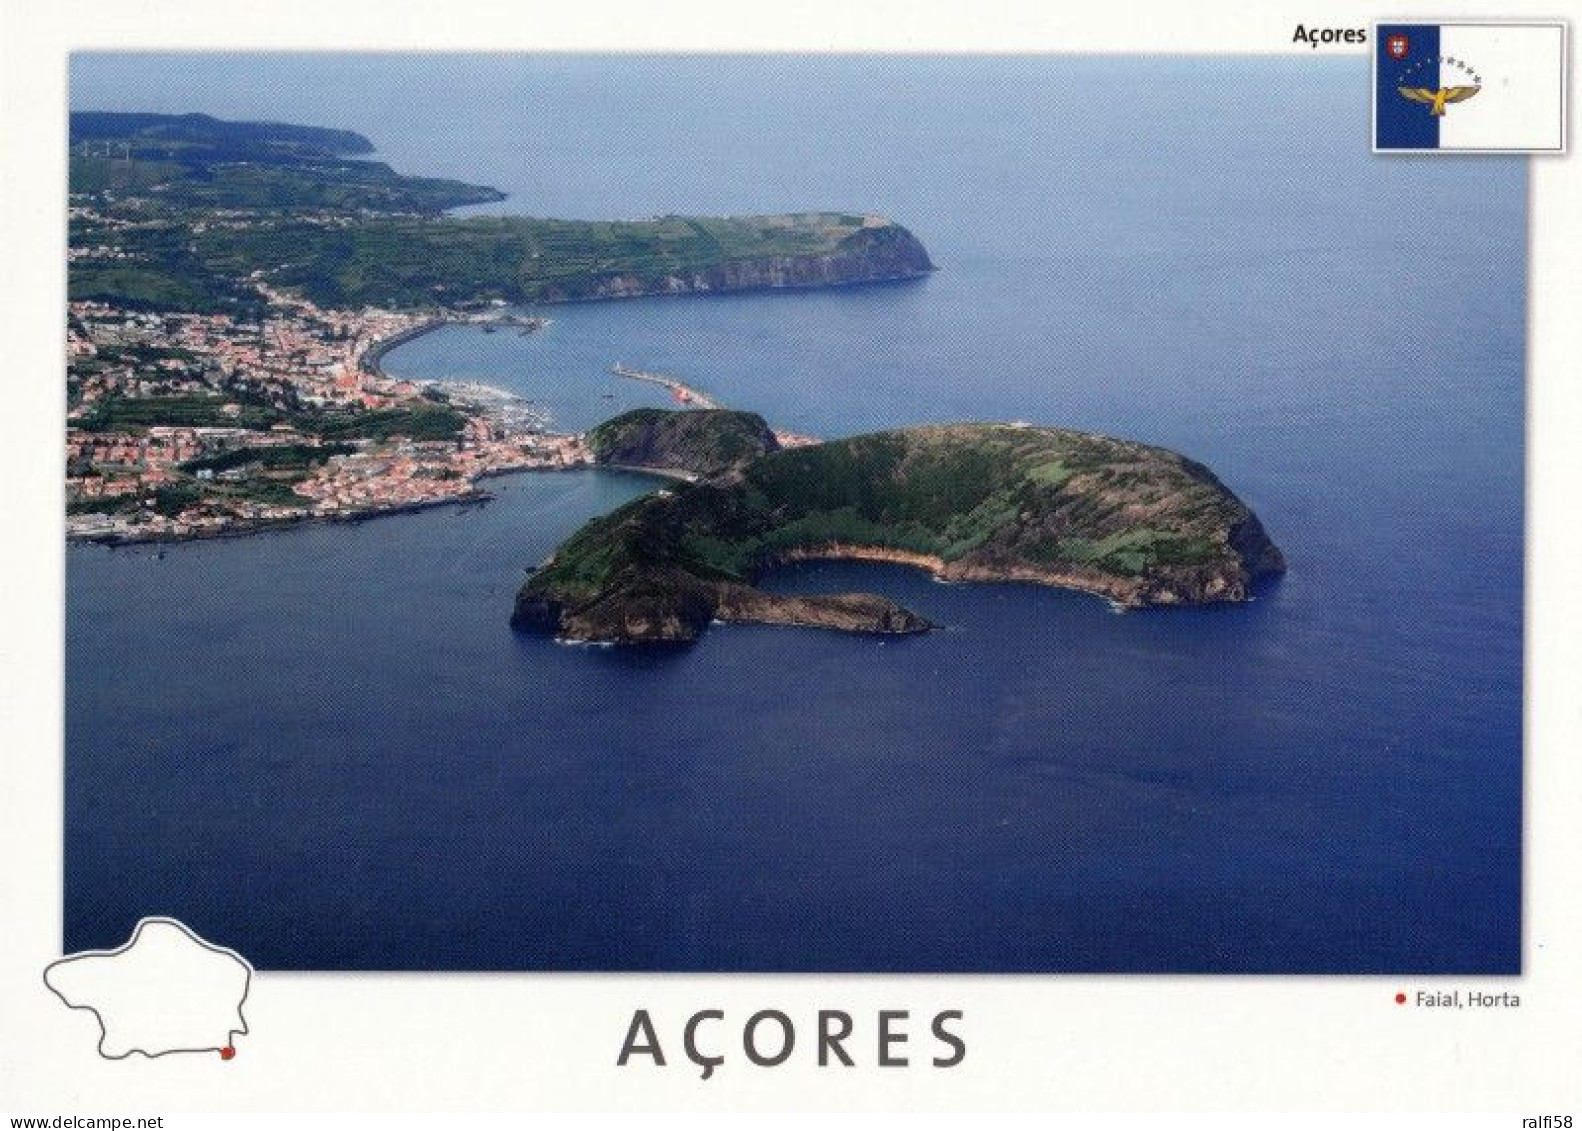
(326, 748)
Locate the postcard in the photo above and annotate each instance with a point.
(762, 569)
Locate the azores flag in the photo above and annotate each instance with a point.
(1469, 88)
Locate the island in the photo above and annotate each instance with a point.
(1135, 524)
(234, 286)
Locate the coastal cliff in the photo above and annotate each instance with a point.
(1135, 524)
(423, 262)
(880, 253)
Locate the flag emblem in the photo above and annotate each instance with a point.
(1469, 87)
(1437, 100)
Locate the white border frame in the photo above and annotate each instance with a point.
(509, 1042)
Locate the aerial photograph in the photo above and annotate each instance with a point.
(789, 513)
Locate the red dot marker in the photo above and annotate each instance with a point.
(1400, 999)
(227, 1052)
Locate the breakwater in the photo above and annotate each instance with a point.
(369, 362)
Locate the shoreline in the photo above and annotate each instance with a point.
(1120, 596)
(759, 288)
(375, 354)
(371, 359)
(371, 362)
(244, 528)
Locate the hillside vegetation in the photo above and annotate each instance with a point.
(1137, 524)
(183, 212)
(414, 262)
(703, 442)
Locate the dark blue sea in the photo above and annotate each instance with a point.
(326, 748)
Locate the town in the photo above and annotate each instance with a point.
(183, 425)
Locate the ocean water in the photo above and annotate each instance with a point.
(326, 748)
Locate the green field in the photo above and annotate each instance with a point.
(194, 163)
(271, 458)
(137, 414)
(416, 263)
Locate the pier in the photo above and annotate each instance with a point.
(685, 394)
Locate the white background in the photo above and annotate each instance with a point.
(360, 1042)
(1518, 107)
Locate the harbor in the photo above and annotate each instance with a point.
(490, 321)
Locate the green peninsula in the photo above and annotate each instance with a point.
(1135, 524)
(188, 213)
(414, 262)
(179, 162)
